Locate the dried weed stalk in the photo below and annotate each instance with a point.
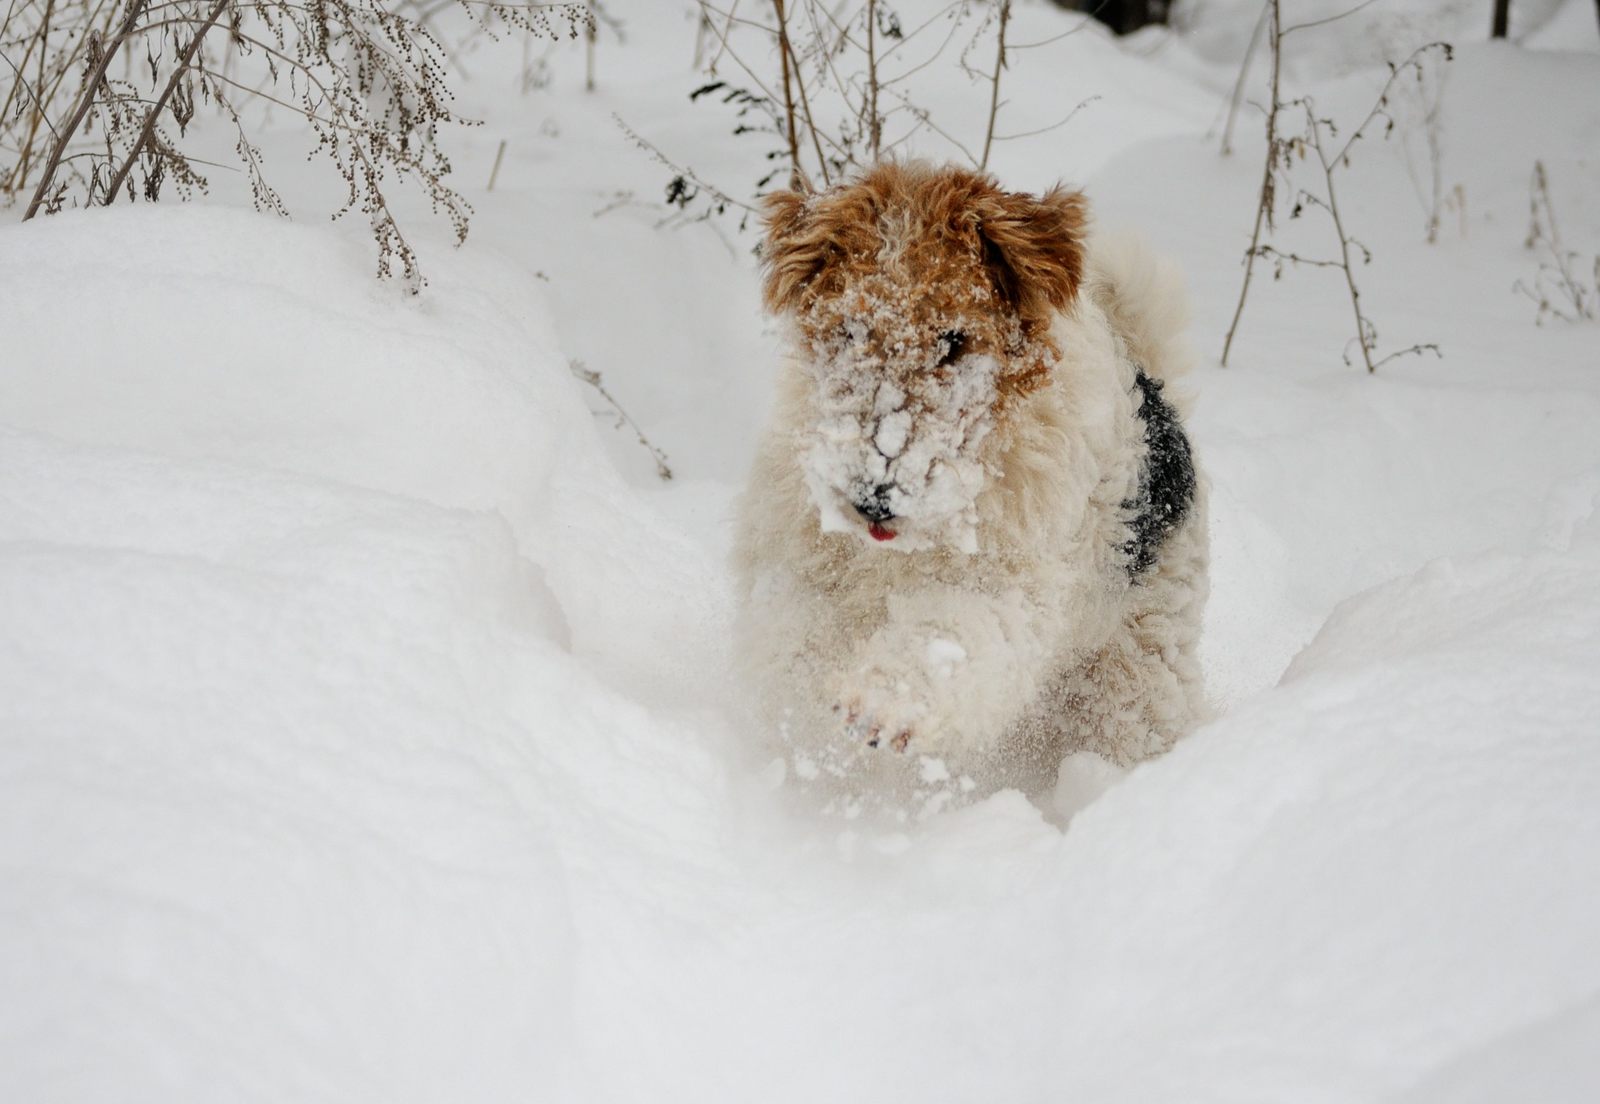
(104, 94)
(1316, 140)
(1560, 289)
(827, 83)
(1426, 96)
(592, 378)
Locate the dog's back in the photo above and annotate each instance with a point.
(1142, 294)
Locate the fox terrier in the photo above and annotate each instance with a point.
(974, 526)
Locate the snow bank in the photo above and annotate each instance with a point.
(291, 571)
(216, 336)
(364, 736)
(349, 755)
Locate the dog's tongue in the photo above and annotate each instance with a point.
(879, 533)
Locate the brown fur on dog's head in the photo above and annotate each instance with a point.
(923, 300)
(951, 236)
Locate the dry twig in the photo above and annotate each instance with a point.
(1315, 138)
(368, 78)
(592, 378)
(1557, 289)
(1265, 201)
(994, 81)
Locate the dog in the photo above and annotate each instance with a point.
(974, 527)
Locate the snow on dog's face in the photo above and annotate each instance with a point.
(922, 300)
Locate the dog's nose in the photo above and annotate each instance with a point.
(875, 507)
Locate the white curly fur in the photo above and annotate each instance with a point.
(1032, 646)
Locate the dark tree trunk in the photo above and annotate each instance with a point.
(1502, 16)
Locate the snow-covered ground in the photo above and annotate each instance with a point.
(366, 731)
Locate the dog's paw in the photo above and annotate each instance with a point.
(878, 712)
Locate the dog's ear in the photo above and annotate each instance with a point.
(1034, 247)
(794, 250)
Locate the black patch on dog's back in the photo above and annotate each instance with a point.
(1166, 481)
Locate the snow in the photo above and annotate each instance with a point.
(366, 730)
(1350, 40)
(917, 432)
(943, 655)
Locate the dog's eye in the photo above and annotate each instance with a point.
(852, 333)
(952, 343)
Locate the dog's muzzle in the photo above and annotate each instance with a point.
(874, 504)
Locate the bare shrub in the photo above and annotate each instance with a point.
(827, 84)
(1316, 138)
(104, 95)
(1422, 142)
(1561, 289)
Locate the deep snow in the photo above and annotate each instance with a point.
(366, 731)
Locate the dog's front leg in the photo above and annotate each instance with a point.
(949, 669)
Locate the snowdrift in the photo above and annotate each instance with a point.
(366, 727)
(366, 738)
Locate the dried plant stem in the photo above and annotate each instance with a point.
(994, 81)
(787, 47)
(366, 77)
(702, 25)
(796, 176)
(1539, 200)
(179, 69)
(592, 378)
(1281, 154)
(494, 173)
(91, 89)
(874, 120)
(38, 105)
(682, 170)
(1061, 122)
(1363, 327)
(1431, 195)
(925, 119)
(21, 83)
(19, 176)
(839, 90)
(1556, 288)
(590, 33)
(1325, 20)
(1264, 202)
(1244, 75)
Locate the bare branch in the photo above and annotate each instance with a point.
(91, 89)
(684, 171)
(178, 71)
(994, 82)
(796, 174)
(1265, 200)
(1244, 75)
(1057, 125)
(1557, 289)
(1281, 156)
(874, 120)
(1287, 31)
(592, 378)
(1088, 18)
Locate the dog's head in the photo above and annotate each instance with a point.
(922, 300)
